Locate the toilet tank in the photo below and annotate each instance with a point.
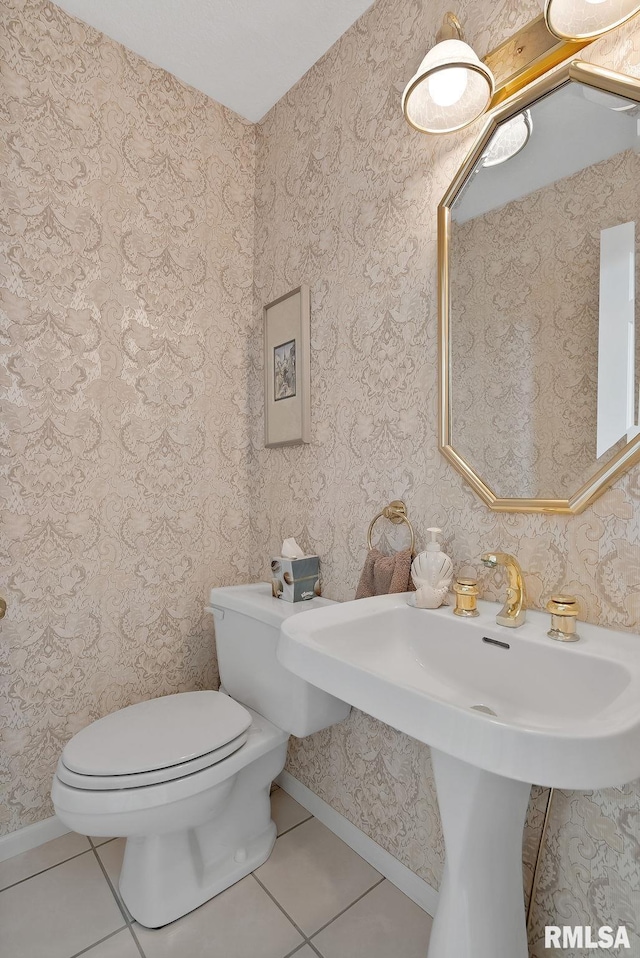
(247, 623)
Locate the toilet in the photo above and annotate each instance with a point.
(186, 778)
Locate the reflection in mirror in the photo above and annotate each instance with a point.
(617, 407)
(511, 137)
(543, 360)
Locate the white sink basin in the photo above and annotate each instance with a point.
(567, 715)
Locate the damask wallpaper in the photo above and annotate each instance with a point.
(346, 195)
(524, 341)
(137, 474)
(127, 231)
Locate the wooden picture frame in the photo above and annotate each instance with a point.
(287, 369)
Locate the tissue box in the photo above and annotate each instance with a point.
(295, 580)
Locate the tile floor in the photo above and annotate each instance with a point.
(313, 897)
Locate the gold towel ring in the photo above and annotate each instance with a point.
(395, 512)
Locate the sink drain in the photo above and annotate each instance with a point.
(485, 709)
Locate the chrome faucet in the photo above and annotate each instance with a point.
(513, 613)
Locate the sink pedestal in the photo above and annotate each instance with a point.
(481, 902)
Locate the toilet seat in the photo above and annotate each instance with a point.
(100, 783)
(98, 809)
(155, 741)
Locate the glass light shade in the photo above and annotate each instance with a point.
(585, 19)
(451, 88)
(509, 139)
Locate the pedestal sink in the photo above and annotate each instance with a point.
(501, 708)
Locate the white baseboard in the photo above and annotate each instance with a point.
(398, 874)
(24, 839)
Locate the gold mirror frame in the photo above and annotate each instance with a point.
(601, 79)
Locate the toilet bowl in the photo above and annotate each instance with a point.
(186, 778)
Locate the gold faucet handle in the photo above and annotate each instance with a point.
(466, 592)
(563, 605)
(564, 611)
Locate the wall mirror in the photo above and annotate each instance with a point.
(539, 263)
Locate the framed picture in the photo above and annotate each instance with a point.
(287, 367)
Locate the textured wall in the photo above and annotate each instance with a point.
(131, 478)
(524, 331)
(126, 267)
(346, 196)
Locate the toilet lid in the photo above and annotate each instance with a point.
(157, 776)
(156, 734)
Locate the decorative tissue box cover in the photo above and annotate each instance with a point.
(295, 580)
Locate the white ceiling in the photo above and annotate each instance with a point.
(245, 54)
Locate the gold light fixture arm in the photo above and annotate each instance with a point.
(450, 29)
(526, 56)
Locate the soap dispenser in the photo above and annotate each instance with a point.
(431, 572)
(437, 565)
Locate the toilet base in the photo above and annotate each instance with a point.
(162, 879)
(164, 876)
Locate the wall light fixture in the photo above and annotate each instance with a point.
(587, 19)
(453, 86)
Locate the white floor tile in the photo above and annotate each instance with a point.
(44, 856)
(241, 922)
(311, 873)
(59, 912)
(286, 812)
(120, 945)
(101, 840)
(314, 875)
(385, 922)
(111, 855)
